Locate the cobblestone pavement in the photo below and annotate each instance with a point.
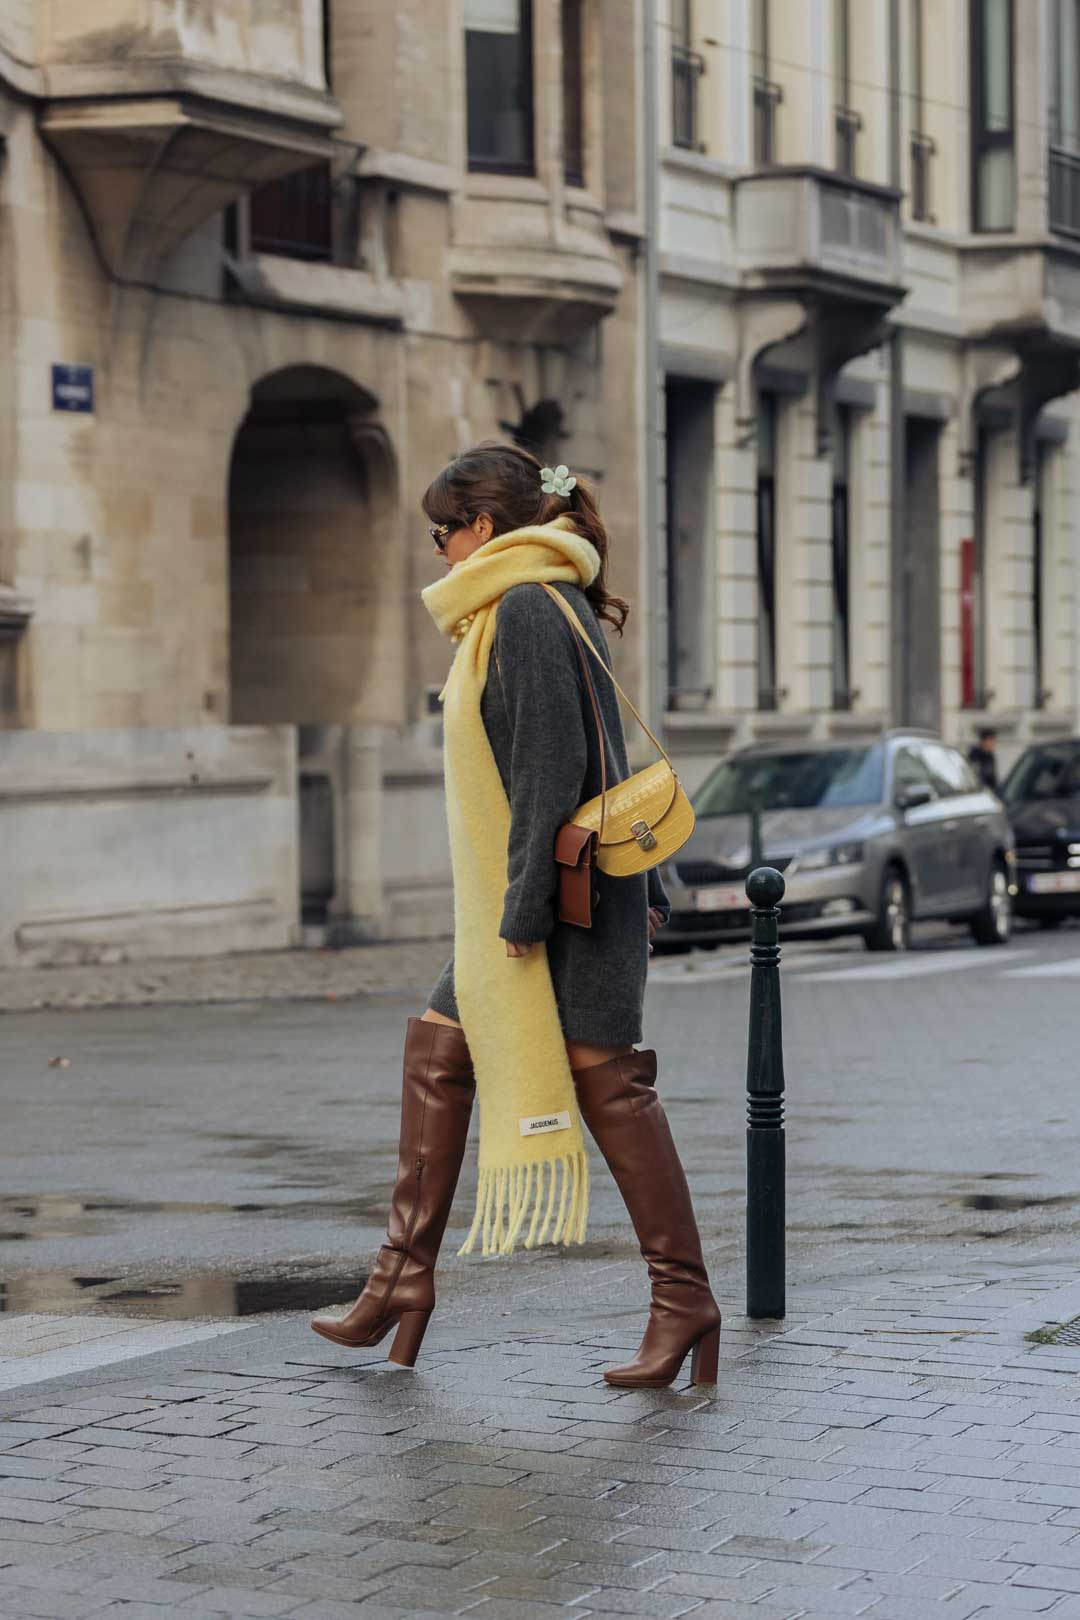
(898, 1446)
(898, 1450)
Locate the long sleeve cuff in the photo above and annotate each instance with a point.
(526, 925)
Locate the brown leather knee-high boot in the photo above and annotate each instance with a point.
(436, 1103)
(620, 1106)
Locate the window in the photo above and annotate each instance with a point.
(498, 85)
(993, 182)
(1040, 693)
(910, 771)
(1064, 156)
(766, 552)
(293, 216)
(10, 706)
(973, 586)
(922, 146)
(327, 46)
(848, 122)
(1050, 771)
(686, 69)
(949, 771)
(841, 562)
(573, 92)
(767, 95)
(689, 442)
(818, 779)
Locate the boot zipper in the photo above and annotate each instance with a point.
(414, 1212)
(416, 1201)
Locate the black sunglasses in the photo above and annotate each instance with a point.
(441, 532)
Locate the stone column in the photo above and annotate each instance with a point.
(735, 652)
(804, 562)
(870, 592)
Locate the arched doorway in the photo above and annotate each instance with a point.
(312, 501)
(315, 600)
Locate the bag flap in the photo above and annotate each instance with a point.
(572, 843)
(649, 793)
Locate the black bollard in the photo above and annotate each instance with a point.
(765, 1290)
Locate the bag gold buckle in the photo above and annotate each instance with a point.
(642, 833)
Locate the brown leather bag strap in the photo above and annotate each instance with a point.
(576, 622)
(599, 733)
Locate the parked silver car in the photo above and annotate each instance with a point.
(870, 837)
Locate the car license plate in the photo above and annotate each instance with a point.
(1054, 883)
(724, 897)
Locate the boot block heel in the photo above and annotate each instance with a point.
(409, 1337)
(705, 1360)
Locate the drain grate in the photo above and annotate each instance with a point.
(1057, 1333)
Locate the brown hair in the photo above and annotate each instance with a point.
(503, 480)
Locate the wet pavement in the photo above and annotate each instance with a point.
(192, 1182)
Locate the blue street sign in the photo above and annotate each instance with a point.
(73, 388)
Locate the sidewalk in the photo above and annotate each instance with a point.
(254, 975)
(896, 1448)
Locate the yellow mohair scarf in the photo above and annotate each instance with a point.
(507, 1004)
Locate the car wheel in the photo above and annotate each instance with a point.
(892, 931)
(992, 925)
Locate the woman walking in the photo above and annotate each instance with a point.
(537, 1016)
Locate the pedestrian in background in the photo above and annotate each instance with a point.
(536, 1016)
(983, 755)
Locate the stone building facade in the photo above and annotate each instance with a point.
(264, 266)
(869, 339)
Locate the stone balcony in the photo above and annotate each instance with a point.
(812, 230)
(820, 265)
(1020, 295)
(164, 112)
(529, 268)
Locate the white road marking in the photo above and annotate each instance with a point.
(36, 1347)
(916, 965)
(728, 968)
(1060, 967)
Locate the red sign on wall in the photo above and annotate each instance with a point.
(967, 623)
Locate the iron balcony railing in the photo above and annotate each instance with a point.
(686, 69)
(767, 97)
(1064, 190)
(922, 150)
(848, 125)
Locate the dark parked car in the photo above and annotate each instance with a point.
(870, 837)
(1042, 796)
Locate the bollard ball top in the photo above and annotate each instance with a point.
(765, 888)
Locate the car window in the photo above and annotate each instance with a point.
(799, 779)
(910, 771)
(949, 771)
(1048, 772)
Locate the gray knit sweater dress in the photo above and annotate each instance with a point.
(539, 721)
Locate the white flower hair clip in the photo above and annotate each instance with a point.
(557, 481)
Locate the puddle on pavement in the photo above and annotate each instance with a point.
(58, 1215)
(1015, 1201)
(210, 1294)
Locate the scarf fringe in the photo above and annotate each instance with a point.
(507, 1198)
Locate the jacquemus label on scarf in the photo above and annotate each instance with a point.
(539, 1123)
